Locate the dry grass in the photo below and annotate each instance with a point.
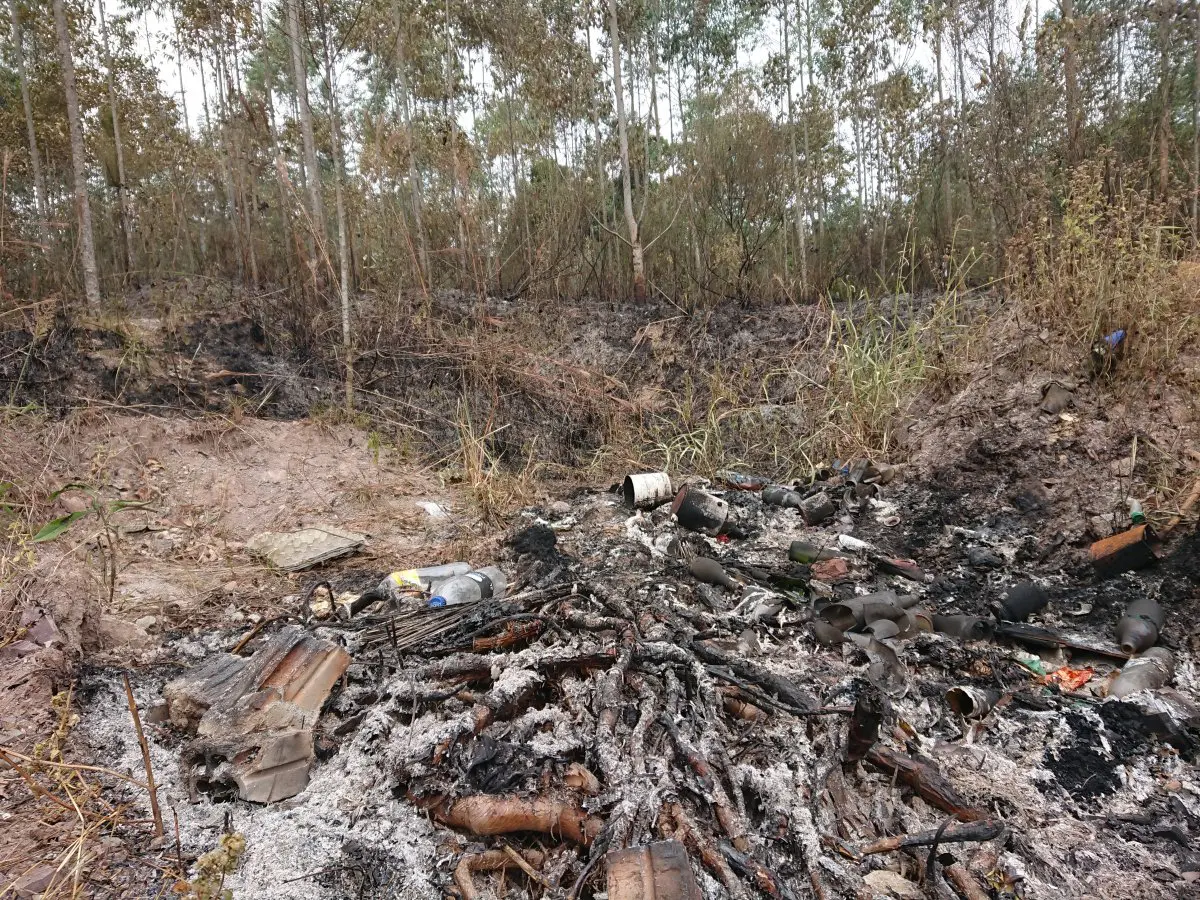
(1108, 265)
(74, 806)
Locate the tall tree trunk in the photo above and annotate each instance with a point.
(1166, 85)
(83, 209)
(244, 141)
(1195, 124)
(40, 202)
(797, 185)
(806, 89)
(635, 244)
(414, 180)
(339, 200)
(227, 162)
(451, 112)
(203, 89)
(123, 210)
(943, 168)
(312, 176)
(1071, 79)
(179, 72)
(273, 134)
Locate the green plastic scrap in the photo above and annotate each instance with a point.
(1030, 661)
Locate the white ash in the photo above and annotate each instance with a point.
(348, 797)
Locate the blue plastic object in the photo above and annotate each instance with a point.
(1114, 340)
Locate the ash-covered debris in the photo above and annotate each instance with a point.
(782, 692)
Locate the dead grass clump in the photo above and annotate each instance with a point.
(496, 489)
(1107, 263)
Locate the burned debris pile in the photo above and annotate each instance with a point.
(727, 689)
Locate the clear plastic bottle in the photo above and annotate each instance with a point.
(423, 579)
(482, 584)
(400, 584)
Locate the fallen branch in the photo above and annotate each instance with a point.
(521, 863)
(487, 814)
(1192, 498)
(927, 781)
(731, 822)
(982, 830)
(689, 834)
(964, 882)
(762, 877)
(141, 736)
(784, 689)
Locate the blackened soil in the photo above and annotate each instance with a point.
(1081, 766)
(215, 366)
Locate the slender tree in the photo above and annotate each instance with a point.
(312, 173)
(35, 158)
(631, 222)
(83, 209)
(123, 211)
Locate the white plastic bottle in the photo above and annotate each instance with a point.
(482, 584)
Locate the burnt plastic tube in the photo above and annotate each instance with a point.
(965, 628)
(971, 702)
(778, 495)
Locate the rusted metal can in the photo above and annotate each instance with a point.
(971, 702)
(1124, 552)
(1152, 669)
(699, 511)
(817, 508)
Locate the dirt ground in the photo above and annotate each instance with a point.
(207, 437)
(203, 487)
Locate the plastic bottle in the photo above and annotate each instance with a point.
(423, 579)
(1152, 669)
(398, 584)
(1138, 628)
(482, 584)
(712, 572)
(807, 554)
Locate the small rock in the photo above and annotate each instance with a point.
(230, 587)
(114, 633)
(1122, 468)
(74, 502)
(560, 508)
(35, 882)
(984, 558)
(887, 883)
(435, 511)
(1055, 398)
(145, 622)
